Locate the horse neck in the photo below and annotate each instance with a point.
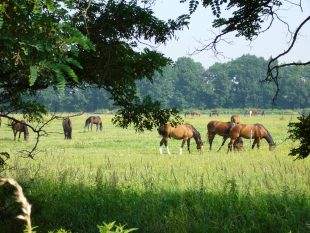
(197, 137)
(269, 139)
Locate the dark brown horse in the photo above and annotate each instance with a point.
(67, 127)
(181, 132)
(214, 112)
(93, 120)
(21, 127)
(256, 132)
(221, 128)
(192, 114)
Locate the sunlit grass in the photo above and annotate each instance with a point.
(129, 162)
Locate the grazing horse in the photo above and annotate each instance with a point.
(214, 112)
(192, 114)
(21, 127)
(181, 132)
(93, 120)
(222, 129)
(238, 145)
(67, 127)
(256, 132)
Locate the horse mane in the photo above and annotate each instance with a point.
(268, 138)
(196, 134)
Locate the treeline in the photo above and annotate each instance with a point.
(186, 84)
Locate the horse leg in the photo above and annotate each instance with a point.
(19, 135)
(14, 132)
(161, 145)
(188, 145)
(211, 138)
(163, 142)
(166, 144)
(258, 143)
(253, 145)
(182, 145)
(224, 140)
(230, 144)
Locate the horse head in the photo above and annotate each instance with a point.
(200, 146)
(272, 147)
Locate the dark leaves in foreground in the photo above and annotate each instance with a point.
(300, 131)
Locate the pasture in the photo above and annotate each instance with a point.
(119, 175)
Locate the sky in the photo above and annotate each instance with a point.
(270, 43)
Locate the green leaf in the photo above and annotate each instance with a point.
(74, 62)
(33, 75)
(1, 22)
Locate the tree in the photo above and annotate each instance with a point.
(43, 45)
(246, 19)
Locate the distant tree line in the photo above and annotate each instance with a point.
(187, 84)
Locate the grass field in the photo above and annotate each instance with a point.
(118, 175)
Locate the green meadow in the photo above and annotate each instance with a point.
(119, 175)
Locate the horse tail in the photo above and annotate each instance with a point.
(268, 136)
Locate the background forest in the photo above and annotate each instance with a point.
(187, 84)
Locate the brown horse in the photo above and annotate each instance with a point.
(256, 132)
(67, 127)
(192, 114)
(214, 112)
(238, 145)
(181, 132)
(93, 120)
(221, 128)
(21, 127)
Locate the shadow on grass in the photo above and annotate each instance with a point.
(81, 209)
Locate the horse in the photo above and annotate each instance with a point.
(181, 132)
(67, 127)
(235, 119)
(214, 112)
(93, 120)
(192, 114)
(238, 145)
(21, 127)
(221, 128)
(256, 132)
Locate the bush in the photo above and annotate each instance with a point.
(300, 131)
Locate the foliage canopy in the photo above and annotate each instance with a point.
(58, 43)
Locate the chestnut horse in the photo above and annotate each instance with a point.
(93, 120)
(221, 128)
(181, 132)
(21, 127)
(256, 132)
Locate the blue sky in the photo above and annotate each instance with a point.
(270, 43)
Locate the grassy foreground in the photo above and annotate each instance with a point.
(118, 175)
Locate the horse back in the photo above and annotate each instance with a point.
(219, 127)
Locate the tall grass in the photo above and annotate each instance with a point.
(118, 175)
